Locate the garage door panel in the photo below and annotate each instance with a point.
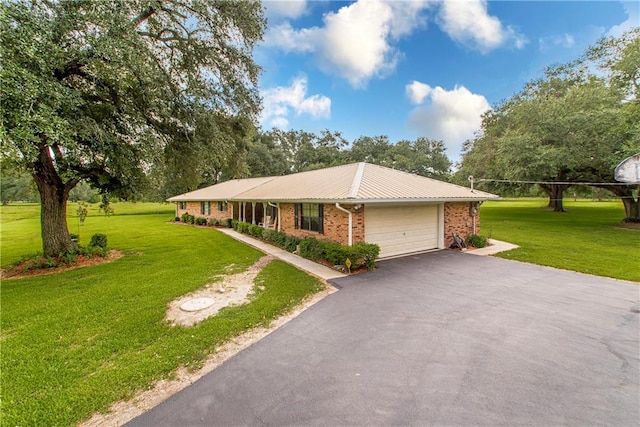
(400, 230)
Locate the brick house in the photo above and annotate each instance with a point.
(402, 212)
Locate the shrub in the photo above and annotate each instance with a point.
(476, 240)
(256, 231)
(99, 240)
(312, 249)
(229, 223)
(291, 243)
(201, 221)
(93, 251)
(69, 258)
(359, 254)
(177, 219)
(369, 253)
(274, 237)
(243, 227)
(187, 218)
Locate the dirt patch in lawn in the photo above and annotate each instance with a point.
(232, 290)
(124, 411)
(30, 269)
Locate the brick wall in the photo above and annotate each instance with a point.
(458, 219)
(336, 223)
(193, 208)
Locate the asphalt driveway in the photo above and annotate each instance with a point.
(443, 338)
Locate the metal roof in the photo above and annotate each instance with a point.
(223, 191)
(355, 182)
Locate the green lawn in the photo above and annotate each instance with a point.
(589, 238)
(75, 342)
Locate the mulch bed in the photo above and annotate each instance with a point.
(29, 268)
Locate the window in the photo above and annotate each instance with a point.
(222, 206)
(183, 205)
(205, 208)
(309, 216)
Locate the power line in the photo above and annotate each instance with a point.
(513, 181)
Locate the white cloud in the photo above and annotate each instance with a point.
(417, 91)
(279, 122)
(564, 40)
(285, 8)
(468, 22)
(356, 41)
(288, 39)
(632, 10)
(281, 101)
(451, 116)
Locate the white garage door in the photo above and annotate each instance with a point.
(401, 229)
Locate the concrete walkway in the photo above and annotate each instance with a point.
(311, 267)
(494, 247)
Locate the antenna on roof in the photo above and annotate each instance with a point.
(628, 170)
(471, 181)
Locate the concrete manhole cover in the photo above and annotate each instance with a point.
(196, 304)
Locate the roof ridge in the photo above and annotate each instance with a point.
(357, 180)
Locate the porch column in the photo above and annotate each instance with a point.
(253, 213)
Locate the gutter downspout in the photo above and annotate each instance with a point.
(277, 206)
(350, 222)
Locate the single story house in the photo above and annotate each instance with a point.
(359, 202)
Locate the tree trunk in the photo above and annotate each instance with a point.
(631, 203)
(555, 192)
(632, 208)
(54, 194)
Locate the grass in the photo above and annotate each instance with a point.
(588, 238)
(73, 343)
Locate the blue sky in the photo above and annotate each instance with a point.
(416, 68)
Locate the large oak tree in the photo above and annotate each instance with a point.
(573, 125)
(100, 91)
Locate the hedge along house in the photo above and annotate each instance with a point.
(401, 212)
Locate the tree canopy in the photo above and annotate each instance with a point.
(573, 125)
(102, 91)
(278, 152)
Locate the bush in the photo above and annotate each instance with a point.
(98, 240)
(177, 219)
(312, 249)
(229, 223)
(274, 237)
(256, 231)
(360, 254)
(291, 243)
(476, 240)
(187, 218)
(201, 221)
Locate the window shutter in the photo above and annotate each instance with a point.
(201, 208)
(321, 217)
(295, 216)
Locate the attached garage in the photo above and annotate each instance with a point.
(400, 230)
